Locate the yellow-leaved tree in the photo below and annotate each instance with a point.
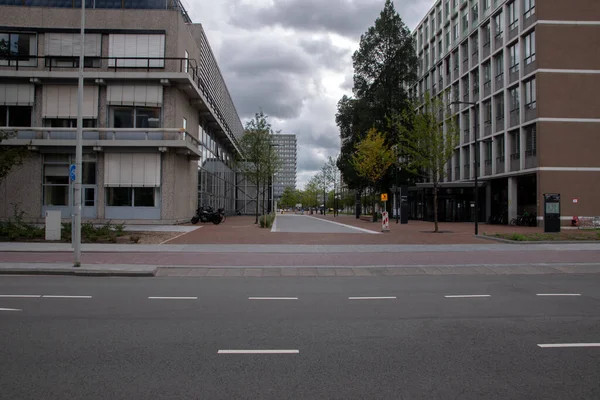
(372, 158)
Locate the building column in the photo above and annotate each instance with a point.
(512, 198)
(488, 201)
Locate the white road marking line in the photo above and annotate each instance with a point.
(22, 296)
(274, 227)
(554, 345)
(258, 352)
(173, 238)
(272, 298)
(172, 298)
(10, 309)
(347, 226)
(452, 296)
(373, 298)
(558, 294)
(59, 296)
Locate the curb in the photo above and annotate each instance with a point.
(529, 242)
(98, 273)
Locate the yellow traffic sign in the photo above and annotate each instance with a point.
(383, 196)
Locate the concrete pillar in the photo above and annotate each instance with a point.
(512, 198)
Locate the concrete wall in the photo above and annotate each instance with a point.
(570, 185)
(23, 186)
(179, 187)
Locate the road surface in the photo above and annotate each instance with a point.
(409, 337)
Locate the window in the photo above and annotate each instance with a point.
(475, 11)
(433, 53)
(455, 31)
(187, 63)
(530, 48)
(130, 197)
(476, 82)
(498, 25)
(448, 44)
(529, 7)
(15, 116)
(426, 60)
(447, 7)
(513, 20)
(500, 107)
(499, 66)
(465, 20)
(530, 96)
(487, 74)
(135, 117)
(141, 51)
(487, 35)
(68, 123)
(62, 49)
(514, 99)
(440, 48)
(487, 109)
(514, 58)
(56, 180)
(426, 31)
(420, 38)
(432, 18)
(486, 5)
(475, 46)
(18, 47)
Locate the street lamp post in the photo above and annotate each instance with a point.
(476, 188)
(76, 227)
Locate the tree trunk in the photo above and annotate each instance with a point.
(435, 208)
(257, 200)
(263, 201)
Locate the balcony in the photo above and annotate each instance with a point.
(500, 164)
(488, 167)
(530, 64)
(530, 158)
(475, 94)
(513, 30)
(498, 41)
(529, 17)
(467, 170)
(500, 123)
(177, 139)
(513, 75)
(487, 88)
(515, 162)
(487, 49)
(499, 81)
(487, 128)
(515, 117)
(530, 111)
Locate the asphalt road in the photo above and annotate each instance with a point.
(307, 224)
(122, 338)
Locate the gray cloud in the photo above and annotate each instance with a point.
(326, 53)
(349, 18)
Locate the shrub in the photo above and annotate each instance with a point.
(518, 237)
(266, 221)
(16, 228)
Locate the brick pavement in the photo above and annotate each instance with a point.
(242, 230)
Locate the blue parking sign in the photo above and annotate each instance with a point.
(72, 172)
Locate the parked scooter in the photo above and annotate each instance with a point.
(207, 214)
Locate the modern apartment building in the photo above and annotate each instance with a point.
(527, 77)
(285, 148)
(160, 127)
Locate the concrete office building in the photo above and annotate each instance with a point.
(286, 150)
(532, 75)
(160, 128)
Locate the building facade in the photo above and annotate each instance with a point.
(524, 79)
(286, 150)
(160, 128)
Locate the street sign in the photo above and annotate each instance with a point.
(384, 197)
(72, 172)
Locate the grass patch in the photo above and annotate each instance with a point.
(266, 221)
(107, 233)
(550, 237)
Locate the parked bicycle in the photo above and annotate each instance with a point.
(525, 219)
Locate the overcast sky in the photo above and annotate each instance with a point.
(293, 60)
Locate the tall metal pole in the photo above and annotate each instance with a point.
(76, 230)
(476, 185)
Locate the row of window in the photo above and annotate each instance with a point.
(428, 28)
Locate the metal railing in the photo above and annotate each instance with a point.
(515, 161)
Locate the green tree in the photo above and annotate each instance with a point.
(310, 195)
(385, 65)
(331, 173)
(372, 159)
(260, 160)
(429, 137)
(10, 156)
(289, 198)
